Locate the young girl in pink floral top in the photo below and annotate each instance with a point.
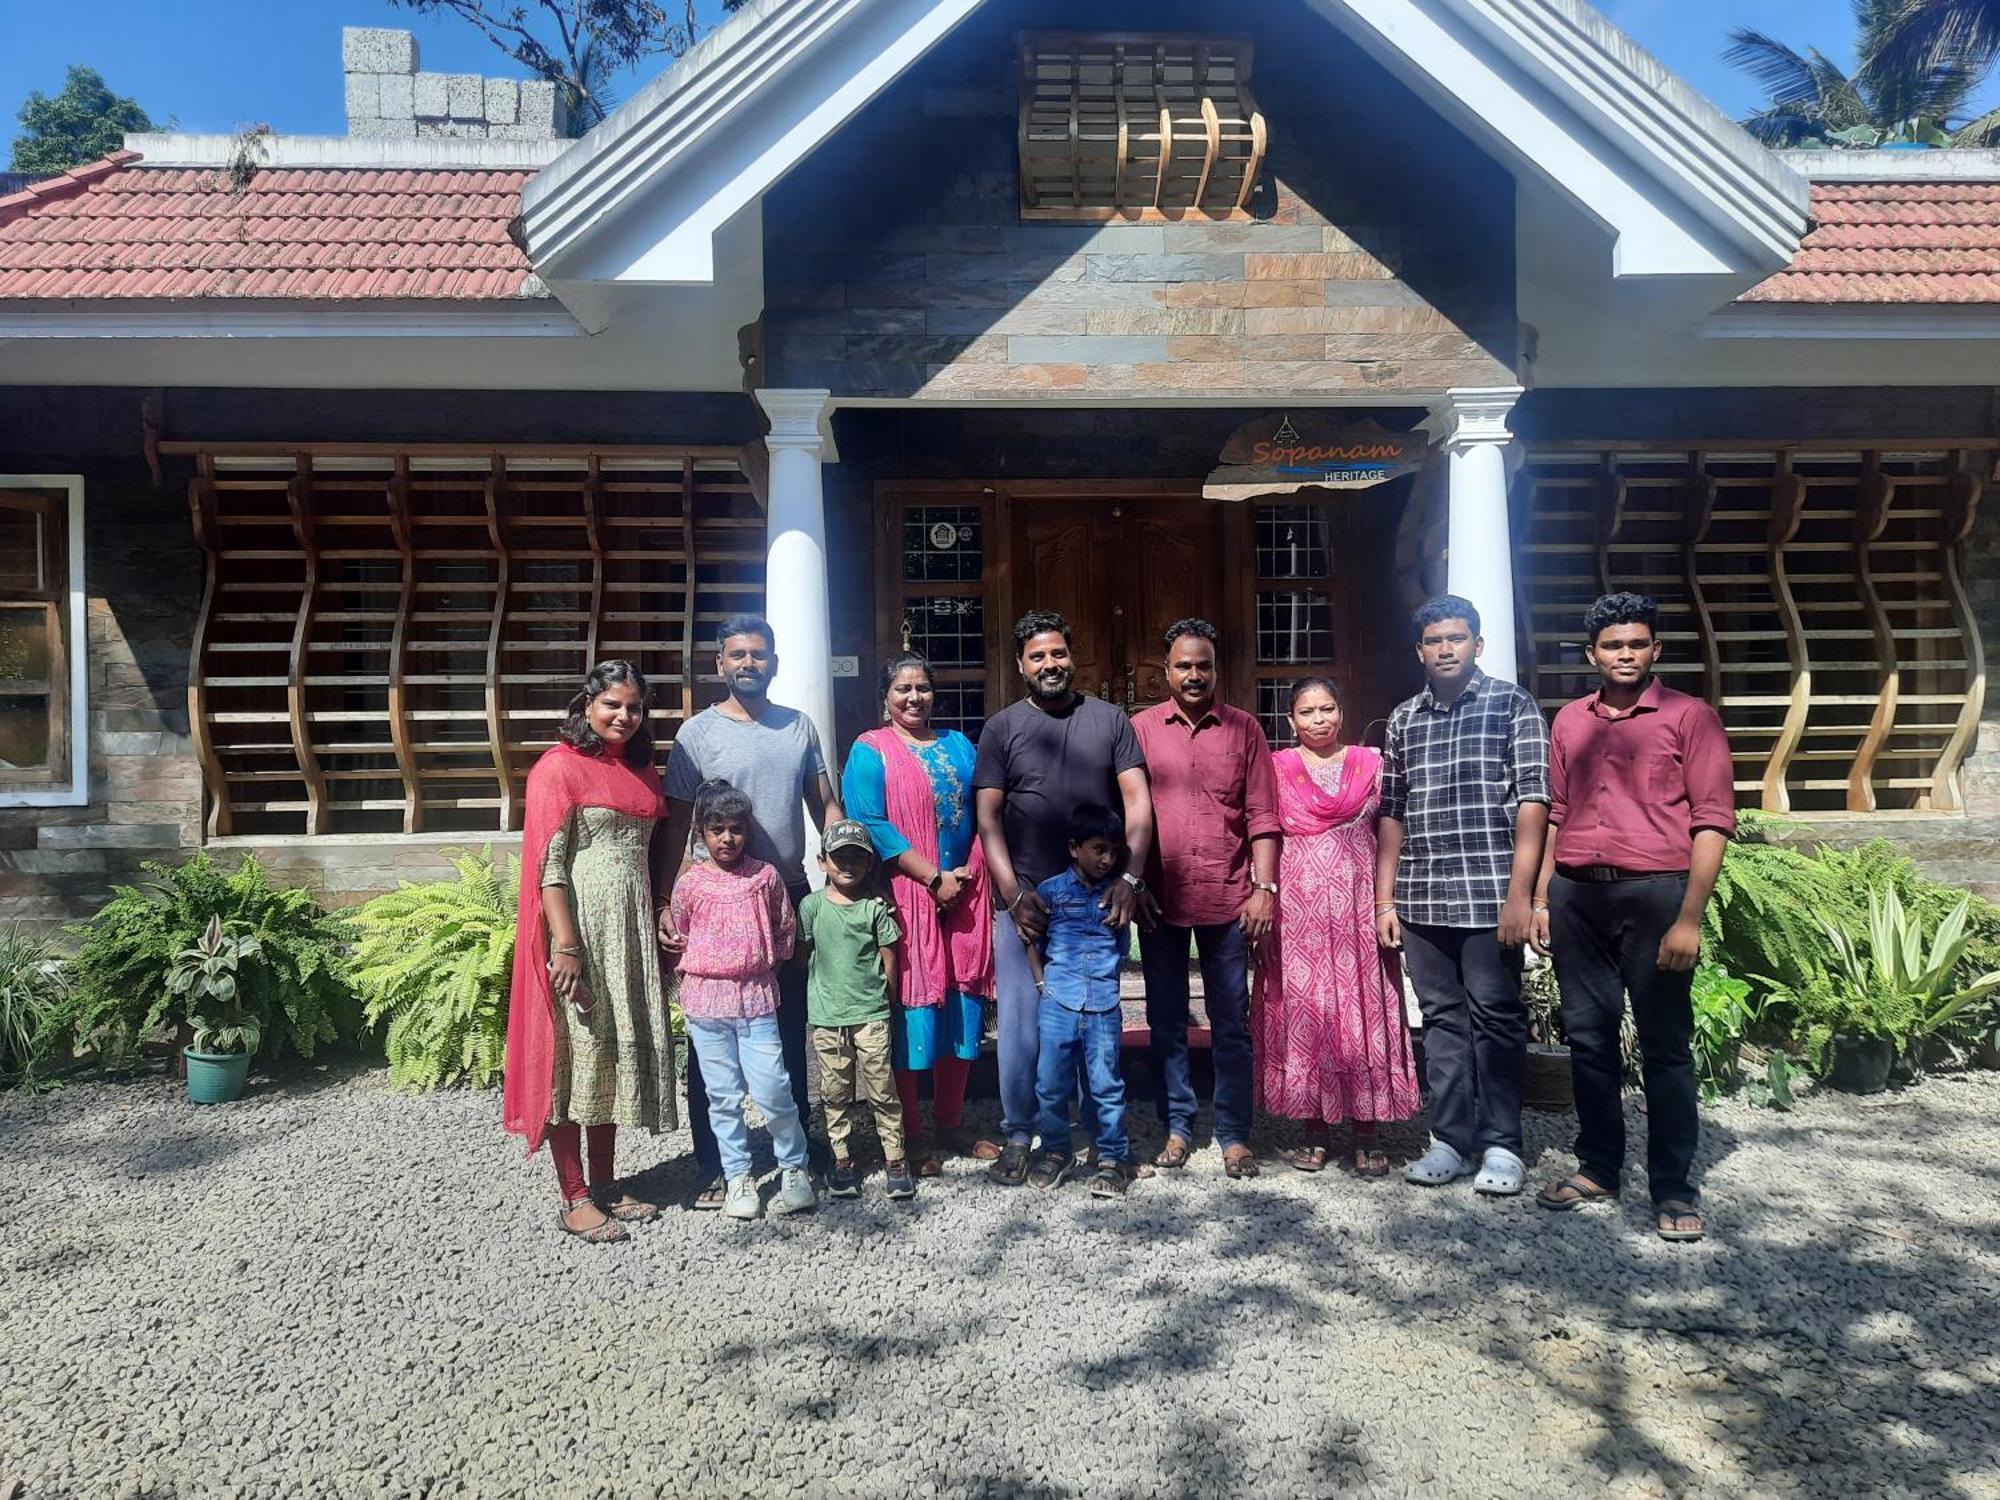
(736, 927)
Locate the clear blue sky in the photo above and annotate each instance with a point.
(216, 65)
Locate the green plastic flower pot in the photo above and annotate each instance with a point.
(215, 1077)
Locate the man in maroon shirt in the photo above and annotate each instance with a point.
(1643, 804)
(1211, 879)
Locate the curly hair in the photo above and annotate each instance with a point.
(1040, 622)
(1622, 608)
(576, 731)
(1190, 626)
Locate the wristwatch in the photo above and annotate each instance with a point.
(1269, 887)
(934, 882)
(1132, 880)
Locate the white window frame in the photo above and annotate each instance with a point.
(77, 792)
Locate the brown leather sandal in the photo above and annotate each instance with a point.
(1175, 1153)
(1240, 1161)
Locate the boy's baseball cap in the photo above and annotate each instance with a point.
(846, 834)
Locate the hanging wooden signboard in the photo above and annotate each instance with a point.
(1278, 455)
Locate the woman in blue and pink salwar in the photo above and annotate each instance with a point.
(911, 786)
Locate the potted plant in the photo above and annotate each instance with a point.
(204, 982)
(1548, 1084)
(1723, 1012)
(1885, 990)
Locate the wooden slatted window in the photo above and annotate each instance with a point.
(1813, 595)
(41, 680)
(389, 637)
(1137, 127)
(1298, 546)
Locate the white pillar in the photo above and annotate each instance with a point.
(1479, 554)
(795, 600)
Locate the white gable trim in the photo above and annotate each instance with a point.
(705, 141)
(1548, 86)
(1555, 90)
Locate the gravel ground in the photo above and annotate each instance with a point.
(331, 1289)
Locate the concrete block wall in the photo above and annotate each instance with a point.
(388, 97)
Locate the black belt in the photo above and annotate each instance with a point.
(1606, 874)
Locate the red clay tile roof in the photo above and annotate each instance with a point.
(1895, 242)
(116, 229)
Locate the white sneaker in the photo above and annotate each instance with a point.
(1438, 1166)
(1501, 1174)
(744, 1201)
(795, 1193)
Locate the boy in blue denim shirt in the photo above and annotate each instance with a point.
(1080, 1022)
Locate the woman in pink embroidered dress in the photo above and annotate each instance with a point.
(1332, 1042)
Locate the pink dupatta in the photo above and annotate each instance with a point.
(1305, 807)
(942, 950)
(563, 779)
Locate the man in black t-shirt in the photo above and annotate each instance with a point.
(1039, 759)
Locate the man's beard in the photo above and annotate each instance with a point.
(749, 684)
(1049, 686)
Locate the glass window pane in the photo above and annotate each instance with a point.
(960, 706)
(24, 733)
(1294, 627)
(22, 559)
(949, 631)
(1293, 542)
(943, 544)
(26, 646)
(1274, 701)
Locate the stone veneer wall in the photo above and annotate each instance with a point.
(1380, 260)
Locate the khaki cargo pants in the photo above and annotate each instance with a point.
(848, 1052)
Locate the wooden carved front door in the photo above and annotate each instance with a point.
(1121, 571)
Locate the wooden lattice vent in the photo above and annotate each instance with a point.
(1137, 127)
(1813, 595)
(389, 636)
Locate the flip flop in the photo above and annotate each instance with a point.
(1244, 1164)
(1676, 1209)
(610, 1232)
(1174, 1154)
(1306, 1158)
(1581, 1190)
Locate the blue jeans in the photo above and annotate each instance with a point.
(792, 1028)
(1225, 982)
(1081, 1045)
(739, 1057)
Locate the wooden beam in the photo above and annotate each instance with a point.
(1962, 499)
(496, 707)
(691, 598)
(1874, 496)
(1788, 501)
(402, 529)
(593, 525)
(299, 498)
(1698, 511)
(201, 507)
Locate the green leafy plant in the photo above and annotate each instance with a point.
(34, 987)
(1544, 1002)
(294, 983)
(204, 986)
(434, 962)
(1763, 920)
(1723, 1014)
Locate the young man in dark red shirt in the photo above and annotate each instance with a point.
(1643, 804)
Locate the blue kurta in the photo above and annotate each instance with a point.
(948, 761)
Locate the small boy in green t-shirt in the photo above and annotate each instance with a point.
(847, 940)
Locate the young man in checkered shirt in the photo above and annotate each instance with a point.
(1465, 808)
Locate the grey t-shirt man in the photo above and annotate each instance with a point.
(771, 759)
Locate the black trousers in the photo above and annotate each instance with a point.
(1606, 940)
(1475, 1034)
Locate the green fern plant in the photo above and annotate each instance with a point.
(433, 961)
(1764, 919)
(294, 983)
